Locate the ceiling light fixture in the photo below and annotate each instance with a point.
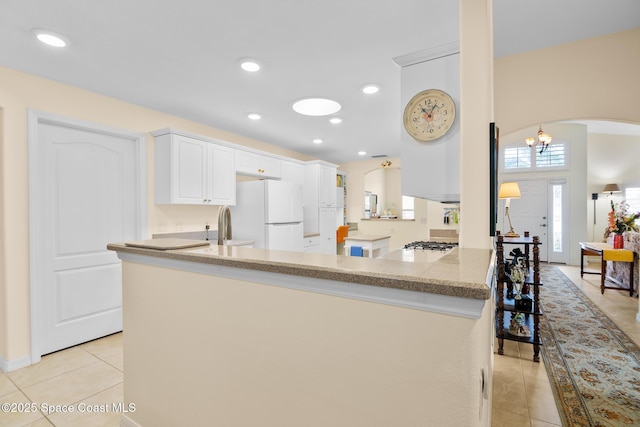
(250, 65)
(371, 88)
(317, 141)
(335, 120)
(544, 139)
(362, 153)
(254, 116)
(316, 107)
(50, 38)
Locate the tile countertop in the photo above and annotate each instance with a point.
(460, 272)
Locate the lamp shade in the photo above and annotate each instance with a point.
(509, 190)
(611, 188)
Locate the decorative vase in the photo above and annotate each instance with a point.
(618, 242)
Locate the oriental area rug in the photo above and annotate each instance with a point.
(593, 366)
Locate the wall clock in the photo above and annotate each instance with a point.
(429, 115)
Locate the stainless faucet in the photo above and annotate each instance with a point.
(224, 225)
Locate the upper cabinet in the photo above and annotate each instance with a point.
(196, 170)
(328, 196)
(221, 175)
(320, 184)
(193, 171)
(293, 172)
(259, 165)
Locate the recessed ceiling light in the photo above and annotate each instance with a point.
(249, 64)
(371, 88)
(335, 120)
(254, 116)
(362, 153)
(317, 141)
(316, 107)
(50, 38)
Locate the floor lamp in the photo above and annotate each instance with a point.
(594, 197)
(508, 191)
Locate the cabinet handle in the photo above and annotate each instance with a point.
(261, 170)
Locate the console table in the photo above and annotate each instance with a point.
(607, 253)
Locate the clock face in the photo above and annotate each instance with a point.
(429, 115)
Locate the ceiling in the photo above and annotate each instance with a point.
(181, 57)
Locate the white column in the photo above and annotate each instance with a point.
(476, 112)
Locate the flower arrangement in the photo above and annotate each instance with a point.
(620, 219)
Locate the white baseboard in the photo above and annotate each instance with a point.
(125, 421)
(12, 365)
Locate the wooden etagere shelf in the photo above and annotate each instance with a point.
(505, 301)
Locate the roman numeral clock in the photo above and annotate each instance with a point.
(429, 115)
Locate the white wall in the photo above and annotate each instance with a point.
(575, 137)
(565, 88)
(589, 79)
(611, 159)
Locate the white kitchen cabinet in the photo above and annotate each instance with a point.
(311, 244)
(254, 164)
(320, 184)
(320, 203)
(328, 231)
(327, 187)
(293, 172)
(221, 180)
(192, 171)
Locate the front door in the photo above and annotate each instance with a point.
(85, 191)
(541, 210)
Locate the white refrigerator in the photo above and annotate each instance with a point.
(270, 213)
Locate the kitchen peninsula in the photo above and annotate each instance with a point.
(240, 336)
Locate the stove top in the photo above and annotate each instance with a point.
(430, 246)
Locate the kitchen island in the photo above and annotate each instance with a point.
(239, 336)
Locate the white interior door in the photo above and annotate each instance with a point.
(86, 189)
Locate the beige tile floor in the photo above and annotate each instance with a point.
(90, 376)
(522, 393)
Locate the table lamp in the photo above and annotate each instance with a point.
(611, 188)
(508, 191)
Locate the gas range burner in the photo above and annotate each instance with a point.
(430, 246)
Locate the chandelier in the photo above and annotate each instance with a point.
(543, 139)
